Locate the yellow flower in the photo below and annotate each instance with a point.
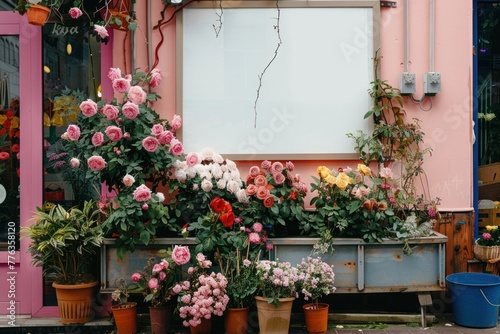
(489, 228)
(323, 172)
(330, 179)
(364, 169)
(342, 183)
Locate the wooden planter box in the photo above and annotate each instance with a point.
(359, 267)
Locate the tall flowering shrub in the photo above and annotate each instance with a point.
(126, 146)
(277, 280)
(317, 280)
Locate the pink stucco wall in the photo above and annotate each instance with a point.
(448, 122)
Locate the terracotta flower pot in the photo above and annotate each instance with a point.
(204, 328)
(125, 316)
(37, 15)
(274, 319)
(160, 318)
(316, 317)
(236, 320)
(75, 302)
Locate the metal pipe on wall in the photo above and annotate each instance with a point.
(406, 43)
(431, 35)
(149, 30)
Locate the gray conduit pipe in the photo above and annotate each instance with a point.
(406, 43)
(431, 36)
(149, 30)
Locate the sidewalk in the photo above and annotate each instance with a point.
(441, 324)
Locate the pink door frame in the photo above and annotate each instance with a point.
(27, 290)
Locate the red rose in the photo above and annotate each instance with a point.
(218, 205)
(227, 219)
(268, 201)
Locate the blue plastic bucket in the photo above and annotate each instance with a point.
(475, 298)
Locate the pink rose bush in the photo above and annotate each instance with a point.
(317, 278)
(202, 294)
(157, 279)
(278, 280)
(124, 144)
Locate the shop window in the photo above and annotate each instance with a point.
(71, 73)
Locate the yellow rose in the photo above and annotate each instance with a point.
(342, 183)
(323, 172)
(489, 228)
(330, 179)
(364, 169)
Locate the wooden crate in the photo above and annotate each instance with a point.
(489, 173)
(489, 217)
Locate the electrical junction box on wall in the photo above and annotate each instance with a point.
(432, 83)
(407, 83)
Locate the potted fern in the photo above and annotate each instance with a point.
(63, 243)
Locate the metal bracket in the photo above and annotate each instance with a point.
(392, 4)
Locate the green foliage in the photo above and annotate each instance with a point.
(64, 241)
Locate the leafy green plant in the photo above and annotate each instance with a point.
(64, 241)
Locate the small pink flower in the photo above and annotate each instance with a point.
(269, 246)
(290, 166)
(486, 236)
(276, 167)
(136, 277)
(75, 12)
(386, 172)
(142, 193)
(192, 159)
(145, 206)
(176, 147)
(254, 238)
(157, 129)
(181, 255)
(150, 144)
(153, 283)
(96, 163)
(157, 268)
(101, 31)
(137, 95)
(74, 162)
(114, 73)
(121, 85)
(175, 123)
(266, 164)
(130, 110)
(114, 133)
(163, 275)
(110, 111)
(166, 137)
(155, 78)
(73, 132)
(257, 227)
(88, 108)
(128, 180)
(97, 139)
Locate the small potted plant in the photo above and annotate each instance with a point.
(156, 280)
(277, 289)
(201, 296)
(63, 243)
(124, 312)
(487, 246)
(317, 280)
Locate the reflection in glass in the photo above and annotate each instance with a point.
(9, 141)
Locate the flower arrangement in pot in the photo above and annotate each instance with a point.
(487, 246)
(125, 145)
(278, 284)
(317, 280)
(63, 243)
(201, 295)
(124, 312)
(156, 280)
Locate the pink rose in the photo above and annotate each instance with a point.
(88, 108)
(257, 227)
(73, 132)
(145, 206)
(155, 78)
(290, 166)
(136, 277)
(279, 178)
(114, 73)
(96, 163)
(163, 275)
(114, 133)
(101, 31)
(142, 193)
(157, 268)
(130, 110)
(276, 167)
(137, 95)
(262, 192)
(176, 147)
(192, 159)
(121, 85)
(181, 255)
(150, 144)
(266, 164)
(74, 162)
(175, 123)
(128, 180)
(254, 171)
(166, 137)
(153, 283)
(75, 12)
(157, 129)
(97, 139)
(110, 111)
(254, 238)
